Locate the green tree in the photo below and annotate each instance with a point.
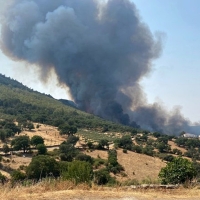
(42, 166)
(21, 143)
(67, 129)
(67, 152)
(90, 145)
(72, 140)
(162, 147)
(125, 142)
(10, 125)
(178, 171)
(36, 139)
(41, 149)
(181, 142)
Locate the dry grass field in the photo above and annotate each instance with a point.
(66, 190)
(139, 166)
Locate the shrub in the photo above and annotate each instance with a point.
(2, 178)
(6, 148)
(98, 162)
(17, 175)
(124, 150)
(178, 171)
(148, 150)
(84, 157)
(79, 172)
(102, 177)
(137, 149)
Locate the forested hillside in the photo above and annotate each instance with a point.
(18, 102)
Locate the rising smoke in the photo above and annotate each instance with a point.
(99, 49)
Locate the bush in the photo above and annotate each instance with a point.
(178, 171)
(84, 157)
(124, 150)
(2, 178)
(98, 162)
(137, 149)
(102, 177)
(148, 150)
(79, 172)
(6, 148)
(17, 176)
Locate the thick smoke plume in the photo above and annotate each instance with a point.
(100, 50)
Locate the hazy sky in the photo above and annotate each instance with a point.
(175, 78)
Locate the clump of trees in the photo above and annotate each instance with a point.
(8, 129)
(113, 165)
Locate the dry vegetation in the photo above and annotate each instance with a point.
(140, 167)
(61, 190)
(137, 166)
(49, 133)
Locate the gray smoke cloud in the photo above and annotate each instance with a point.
(100, 50)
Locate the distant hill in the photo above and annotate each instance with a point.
(18, 102)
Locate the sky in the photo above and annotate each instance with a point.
(174, 80)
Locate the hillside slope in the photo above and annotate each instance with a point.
(18, 102)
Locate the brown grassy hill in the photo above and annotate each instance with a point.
(139, 166)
